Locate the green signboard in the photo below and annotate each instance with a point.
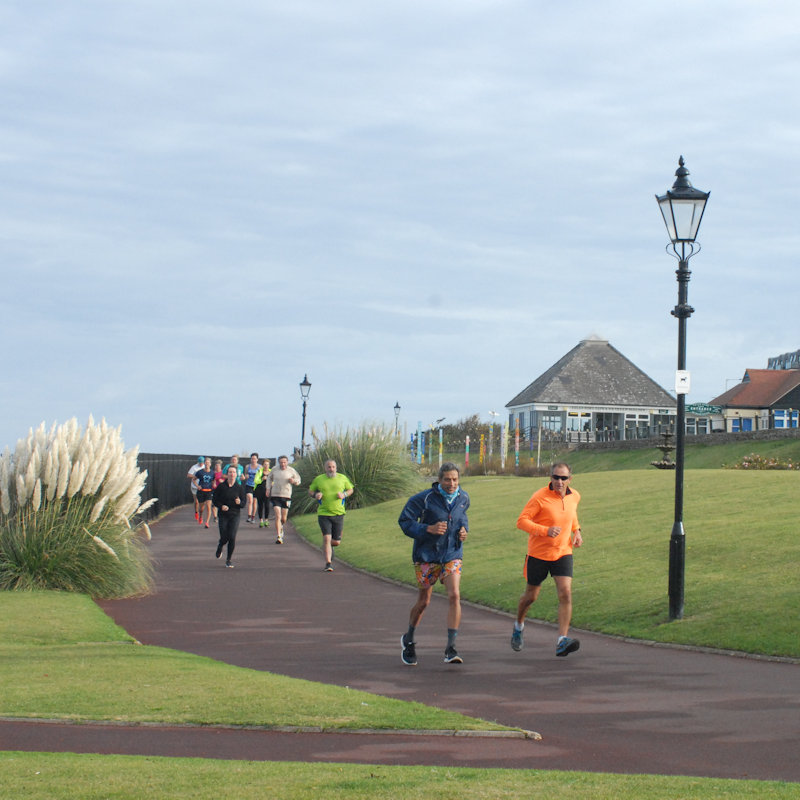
(703, 408)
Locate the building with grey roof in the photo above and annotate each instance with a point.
(593, 392)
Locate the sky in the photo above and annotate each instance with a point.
(424, 203)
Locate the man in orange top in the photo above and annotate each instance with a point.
(550, 519)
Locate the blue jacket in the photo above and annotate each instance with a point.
(427, 508)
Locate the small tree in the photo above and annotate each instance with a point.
(67, 501)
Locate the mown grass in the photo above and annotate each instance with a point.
(63, 658)
(64, 776)
(742, 552)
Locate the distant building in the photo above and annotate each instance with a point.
(766, 398)
(593, 393)
(785, 361)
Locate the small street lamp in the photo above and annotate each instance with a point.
(305, 388)
(682, 208)
(396, 417)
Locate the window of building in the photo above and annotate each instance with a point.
(786, 418)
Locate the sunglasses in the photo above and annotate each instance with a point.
(560, 477)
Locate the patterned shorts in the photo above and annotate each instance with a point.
(428, 574)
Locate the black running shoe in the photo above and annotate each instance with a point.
(219, 550)
(452, 657)
(409, 652)
(328, 567)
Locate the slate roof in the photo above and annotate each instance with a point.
(595, 373)
(760, 388)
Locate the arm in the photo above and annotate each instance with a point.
(410, 523)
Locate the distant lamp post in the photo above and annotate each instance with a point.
(305, 388)
(682, 208)
(396, 417)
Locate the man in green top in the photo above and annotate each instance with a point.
(330, 490)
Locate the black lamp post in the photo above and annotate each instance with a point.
(396, 417)
(305, 388)
(682, 208)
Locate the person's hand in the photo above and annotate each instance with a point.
(462, 534)
(341, 495)
(553, 531)
(224, 508)
(438, 528)
(238, 501)
(577, 539)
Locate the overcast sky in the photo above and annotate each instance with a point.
(418, 202)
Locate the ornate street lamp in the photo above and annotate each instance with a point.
(305, 388)
(682, 208)
(396, 417)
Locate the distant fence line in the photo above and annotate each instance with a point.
(166, 480)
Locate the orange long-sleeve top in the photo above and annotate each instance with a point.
(544, 510)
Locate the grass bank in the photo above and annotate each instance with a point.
(741, 559)
(63, 776)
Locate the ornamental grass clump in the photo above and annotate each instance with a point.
(372, 456)
(69, 503)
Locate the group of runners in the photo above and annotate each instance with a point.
(436, 519)
(225, 491)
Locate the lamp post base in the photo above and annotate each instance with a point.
(677, 559)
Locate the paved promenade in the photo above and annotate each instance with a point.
(612, 706)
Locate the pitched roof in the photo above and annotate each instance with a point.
(760, 388)
(594, 373)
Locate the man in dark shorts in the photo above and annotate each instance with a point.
(330, 490)
(436, 520)
(550, 518)
(282, 479)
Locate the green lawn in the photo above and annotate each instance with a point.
(63, 776)
(63, 658)
(742, 554)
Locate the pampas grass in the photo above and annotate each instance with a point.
(376, 461)
(69, 502)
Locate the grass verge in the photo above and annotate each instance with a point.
(63, 658)
(57, 776)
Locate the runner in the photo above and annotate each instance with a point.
(198, 465)
(250, 473)
(330, 490)
(229, 497)
(219, 477)
(261, 496)
(281, 481)
(436, 520)
(550, 518)
(204, 481)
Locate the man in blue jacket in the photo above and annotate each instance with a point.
(436, 520)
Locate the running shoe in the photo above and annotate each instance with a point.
(207, 525)
(408, 654)
(516, 640)
(219, 550)
(279, 540)
(452, 657)
(229, 565)
(567, 646)
(196, 516)
(328, 567)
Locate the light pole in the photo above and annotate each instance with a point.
(305, 388)
(396, 417)
(682, 208)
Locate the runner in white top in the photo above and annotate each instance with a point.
(279, 488)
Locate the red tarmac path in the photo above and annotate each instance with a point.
(613, 706)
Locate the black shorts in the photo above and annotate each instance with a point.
(249, 489)
(204, 496)
(332, 526)
(536, 570)
(280, 502)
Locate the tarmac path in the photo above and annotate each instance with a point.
(613, 706)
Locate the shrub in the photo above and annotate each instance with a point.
(67, 501)
(755, 461)
(375, 460)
